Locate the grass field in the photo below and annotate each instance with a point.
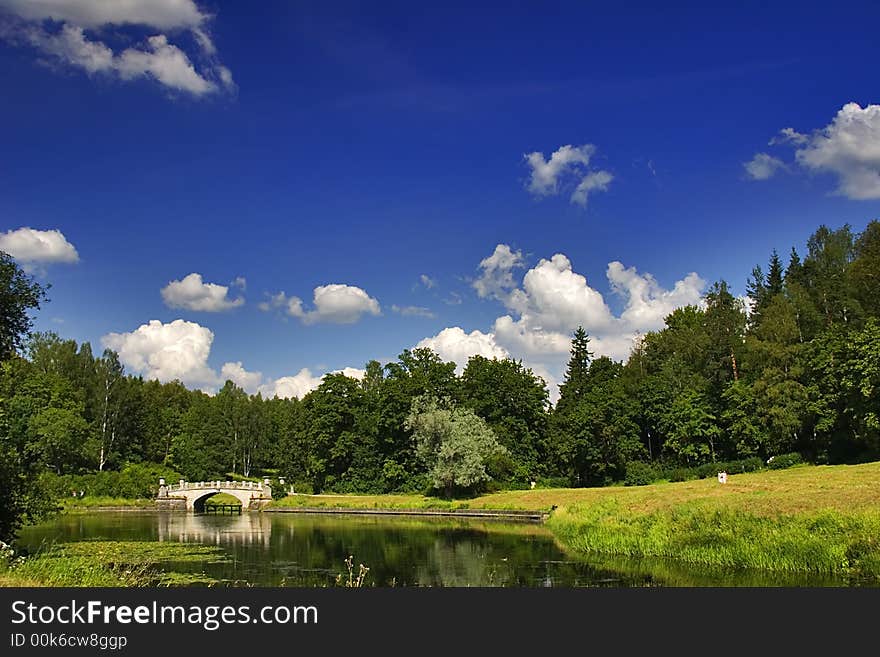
(846, 488)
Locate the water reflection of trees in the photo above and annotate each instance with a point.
(426, 553)
(309, 550)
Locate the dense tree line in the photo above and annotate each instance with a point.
(795, 370)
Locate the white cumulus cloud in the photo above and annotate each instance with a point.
(352, 372)
(552, 301)
(192, 293)
(525, 337)
(235, 372)
(648, 303)
(567, 167)
(164, 62)
(597, 181)
(301, 383)
(453, 344)
(496, 275)
(176, 350)
(334, 304)
(287, 387)
(30, 246)
(164, 14)
(848, 148)
(763, 166)
(81, 43)
(554, 296)
(546, 174)
(180, 350)
(279, 300)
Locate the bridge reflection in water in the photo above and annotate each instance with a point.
(245, 529)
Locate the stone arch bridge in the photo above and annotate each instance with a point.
(192, 495)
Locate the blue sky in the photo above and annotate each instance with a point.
(356, 148)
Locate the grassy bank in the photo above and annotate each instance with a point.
(822, 542)
(391, 502)
(110, 563)
(809, 519)
(98, 501)
(806, 519)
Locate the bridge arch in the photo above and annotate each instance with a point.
(198, 501)
(249, 493)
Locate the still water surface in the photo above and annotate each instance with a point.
(284, 549)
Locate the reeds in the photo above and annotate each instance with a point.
(109, 563)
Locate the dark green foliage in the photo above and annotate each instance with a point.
(708, 470)
(415, 373)
(134, 481)
(577, 371)
(553, 482)
(864, 272)
(730, 467)
(784, 461)
(198, 451)
(594, 432)
(640, 474)
(514, 402)
(680, 474)
(19, 294)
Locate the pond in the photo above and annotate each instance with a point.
(305, 550)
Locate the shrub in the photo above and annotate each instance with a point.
(709, 470)
(302, 487)
(494, 486)
(731, 467)
(680, 474)
(553, 482)
(752, 464)
(135, 480)
(783, 461)
(640, 474)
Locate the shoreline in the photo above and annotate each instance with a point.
(498, 514)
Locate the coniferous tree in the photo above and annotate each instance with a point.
(775, 275)
(794, 269)
(577, 371)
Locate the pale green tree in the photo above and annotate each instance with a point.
(454, 443)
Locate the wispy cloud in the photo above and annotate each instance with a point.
(80, 41)
(567, 167)
(413, 311)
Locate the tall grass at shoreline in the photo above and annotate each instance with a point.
(828, 541)
(109, 563)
